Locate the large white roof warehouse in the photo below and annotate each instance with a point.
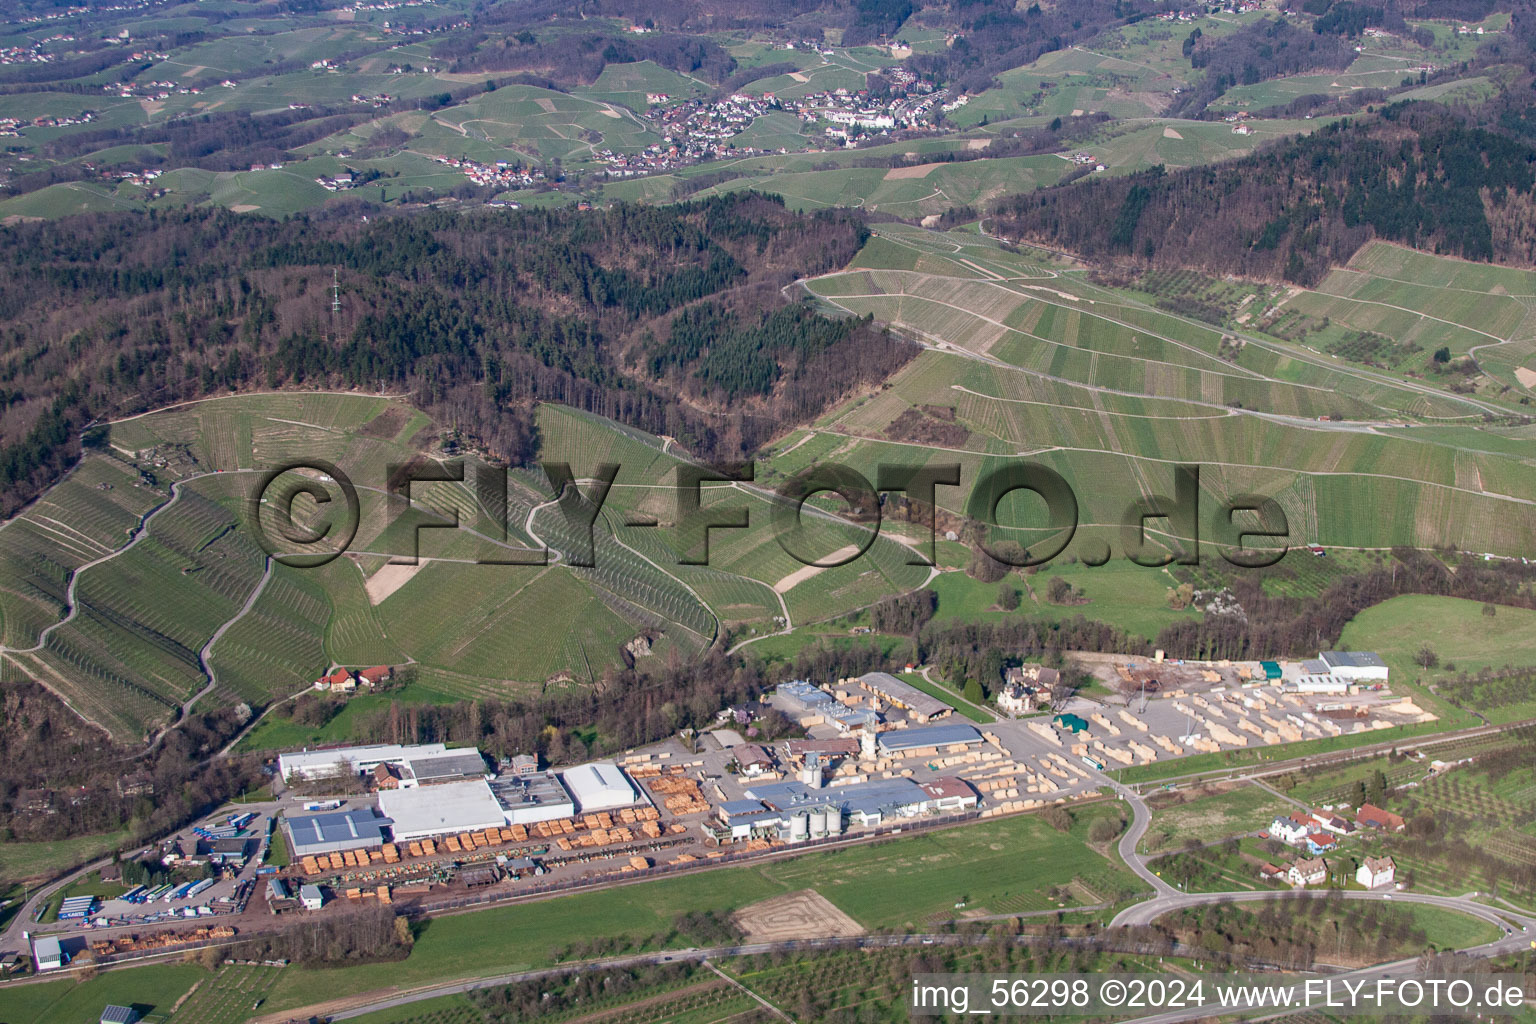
(314, 764)
(439, 810)
(599, 786)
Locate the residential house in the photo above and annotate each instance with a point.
(1376, 871)
(339, 681)
(1372, 816)
(1037, 676)
(1291, 830)
(1321, 842)
(1334, 823)
(753, 759)
(1019, 699)
(387, 776)
(1307, 871)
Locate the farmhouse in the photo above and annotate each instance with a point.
(1376, 871)
(1372, 816)
(919, 705)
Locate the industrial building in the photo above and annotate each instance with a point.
(921, 706)
(430, 770)
(311, 897)
(1356, 666)
(807, 701)
(47, 954)
(322, 764)
(358, 828)
(428, 811)
(902, 741)
(599, 786)
(528, 799)
(1314, 684)
(863, 803)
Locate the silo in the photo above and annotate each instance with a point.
(834, 821)
(799, 827)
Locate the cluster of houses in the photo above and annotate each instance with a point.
(149, 90)
(1319, 833)
(704, 129)
(346, 680)
(385, 5)
(77, 10)
(1196, 13)
(144, 178)
(34, 54)
(1085, 159)
(382, 99)
(12, 127)
(501, 174)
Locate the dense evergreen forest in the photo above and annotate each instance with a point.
(1417, 173)
(479, 315)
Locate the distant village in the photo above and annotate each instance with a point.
(696, 129)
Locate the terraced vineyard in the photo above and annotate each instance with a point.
(1027, 359)
(193, 613)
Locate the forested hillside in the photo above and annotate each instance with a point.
(1417, 174)
(478, 316)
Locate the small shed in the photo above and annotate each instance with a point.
(113, 1014)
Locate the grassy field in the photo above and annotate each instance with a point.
(1209, 817)
(20, 861)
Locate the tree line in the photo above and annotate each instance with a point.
(1417, 173)
(480, 316)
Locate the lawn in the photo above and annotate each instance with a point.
(19, 861)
